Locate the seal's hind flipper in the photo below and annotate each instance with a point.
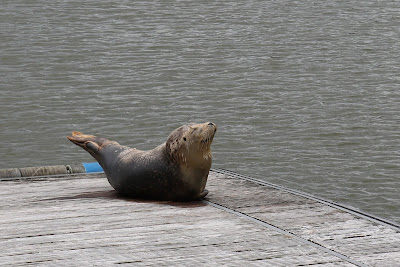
(90, 143)
(84, 140)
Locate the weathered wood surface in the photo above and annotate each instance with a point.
(81, 221)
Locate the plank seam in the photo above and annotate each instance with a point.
(332, 204)
(285, 232)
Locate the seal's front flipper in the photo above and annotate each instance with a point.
(203, 194)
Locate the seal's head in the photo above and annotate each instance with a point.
(190, 144)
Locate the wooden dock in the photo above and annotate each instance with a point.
(79, 220)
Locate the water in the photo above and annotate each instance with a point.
(305, 94)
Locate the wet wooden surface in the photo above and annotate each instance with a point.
(78, 220)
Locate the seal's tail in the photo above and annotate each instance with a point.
(90, 143)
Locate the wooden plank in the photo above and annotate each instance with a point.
(365, 241)
(82, 221)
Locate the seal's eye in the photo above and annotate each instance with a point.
(184, 139)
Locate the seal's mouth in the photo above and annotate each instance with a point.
(208, 132)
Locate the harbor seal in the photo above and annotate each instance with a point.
(175, 170)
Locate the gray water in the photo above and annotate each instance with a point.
(305, 93)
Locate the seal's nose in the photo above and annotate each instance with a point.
(211, 124)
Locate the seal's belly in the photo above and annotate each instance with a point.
(150, 180)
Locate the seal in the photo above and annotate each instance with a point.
(175, 170)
